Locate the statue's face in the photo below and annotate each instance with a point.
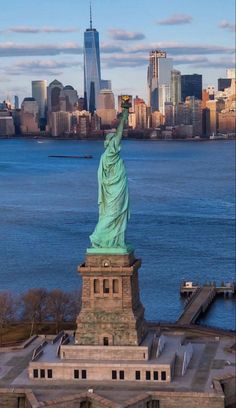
(109, 136)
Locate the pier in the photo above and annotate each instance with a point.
(200, 298)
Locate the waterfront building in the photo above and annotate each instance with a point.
(194, 107)
(106, 107)
(29, 116)
(191, 85)
(175, 93)
(7, 127)
(215, 108)
(39, 93)
(184, 131)
(53, 96)
(158, 76)
(68, 99)
(60, 123)
(157, 119)
(92, 68)
(226, 121)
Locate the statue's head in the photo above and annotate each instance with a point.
(108, 138)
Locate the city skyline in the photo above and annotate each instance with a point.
(34, 48)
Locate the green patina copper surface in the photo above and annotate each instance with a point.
(113, 197)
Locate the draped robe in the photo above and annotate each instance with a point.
(113, 198)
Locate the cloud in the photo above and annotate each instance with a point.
(134, 61)
(125, 61)
(38, 67)
(4, 79)
(176, 19)
(122, 35)
(227, 25)
(110, 48)
(9, 49)
(218, 64)
(173, 48)
(35, 30)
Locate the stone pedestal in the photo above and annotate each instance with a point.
(111, 313)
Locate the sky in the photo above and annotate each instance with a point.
(43, 39)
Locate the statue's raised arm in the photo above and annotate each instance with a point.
(113, 197)
(120, 128)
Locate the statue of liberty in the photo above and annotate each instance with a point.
(113, 197)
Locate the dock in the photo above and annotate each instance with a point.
(200, 298)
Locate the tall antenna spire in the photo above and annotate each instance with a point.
(91, 21)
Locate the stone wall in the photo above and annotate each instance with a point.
(100, 353)
(160, 399)
(177, 400)
(93, 371)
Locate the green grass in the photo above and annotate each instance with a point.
(15, 333)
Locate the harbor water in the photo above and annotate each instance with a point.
(182, 217)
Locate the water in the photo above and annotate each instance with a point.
(182, 223)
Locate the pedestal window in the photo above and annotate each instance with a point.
(106, 286)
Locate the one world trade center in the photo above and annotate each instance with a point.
(92, 69)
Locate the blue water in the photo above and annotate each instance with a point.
(182, 223)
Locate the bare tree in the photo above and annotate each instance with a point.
(7, 310)
(35, 306)
(62, 306)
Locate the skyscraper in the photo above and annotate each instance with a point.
(158, 78)
(106, 107)
(39, 93)
(191, 85)
(53, 95)
(92, 69)
(175, 93)
(16, 101)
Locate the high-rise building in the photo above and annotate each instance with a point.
(141, 113)
(7, 127)
(106, 106)
(68, 99)
(29, 116)
(164, 96)
(53, 96)
(191, 85)
(194, 107)
(92, 69)
(215, 106)
(223, 83)
(16, 100)
(175, 92)
(159, 74)
(39, 93)
(169, 114)
(60, 123)
(105, 84)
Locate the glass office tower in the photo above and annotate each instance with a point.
(92, 69)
